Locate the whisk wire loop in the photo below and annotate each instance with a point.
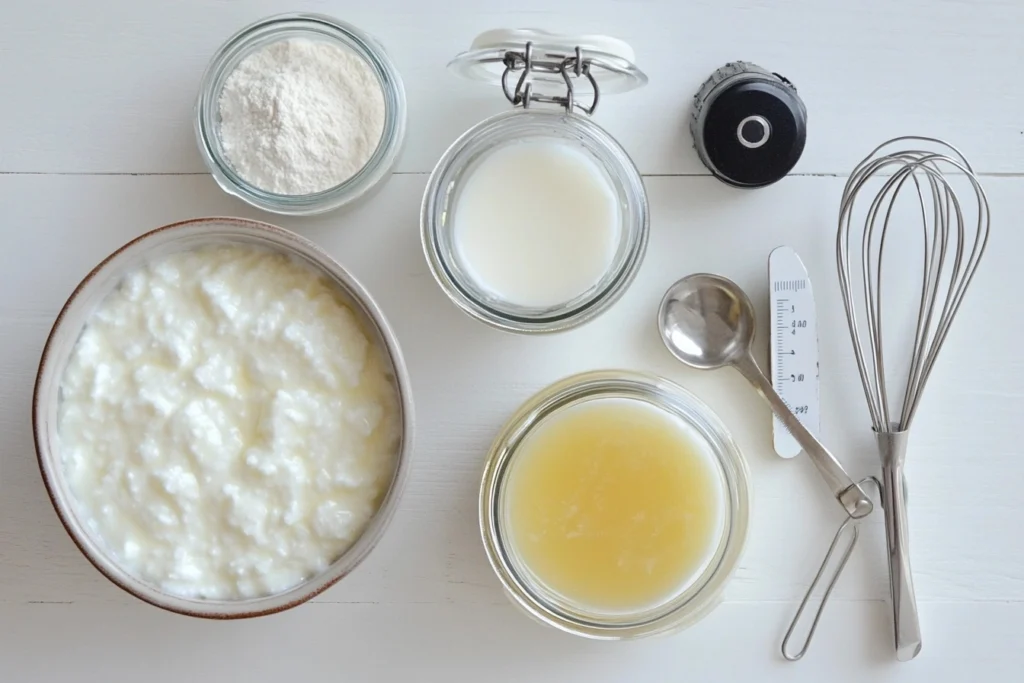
(950, 256)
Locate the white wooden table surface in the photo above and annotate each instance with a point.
(96, 147)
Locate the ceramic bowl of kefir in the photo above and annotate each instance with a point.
(223, 419)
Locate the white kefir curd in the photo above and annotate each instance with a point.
(227, 426)
(536, 223)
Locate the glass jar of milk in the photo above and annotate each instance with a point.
(536, 220)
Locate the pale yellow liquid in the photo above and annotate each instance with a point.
(613, 504)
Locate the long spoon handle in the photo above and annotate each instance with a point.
(849, 494)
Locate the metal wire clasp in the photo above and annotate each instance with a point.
(850, 526)
(573, 66)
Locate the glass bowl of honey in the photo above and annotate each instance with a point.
(614, 505)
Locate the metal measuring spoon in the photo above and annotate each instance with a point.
(707, 322)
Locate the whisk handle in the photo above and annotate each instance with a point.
(906, 623)
(849, 494)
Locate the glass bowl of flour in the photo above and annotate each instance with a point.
(223, 419)
(300, 114)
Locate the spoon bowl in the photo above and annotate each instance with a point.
(706, 321)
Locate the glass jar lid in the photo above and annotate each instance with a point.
(581, 64)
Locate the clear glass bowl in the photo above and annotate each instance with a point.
(703, 591)
(57, 352)
(313, 27)
(446, 181)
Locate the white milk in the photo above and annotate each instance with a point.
(536, 223)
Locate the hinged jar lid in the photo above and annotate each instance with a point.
(579, 64)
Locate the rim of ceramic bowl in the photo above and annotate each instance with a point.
(48, 378)
(262, 32)
(676, 613)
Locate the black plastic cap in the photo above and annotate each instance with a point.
(754, 131)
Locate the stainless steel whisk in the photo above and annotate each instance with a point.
(955, 236)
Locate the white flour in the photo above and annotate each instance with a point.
(300, 116)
